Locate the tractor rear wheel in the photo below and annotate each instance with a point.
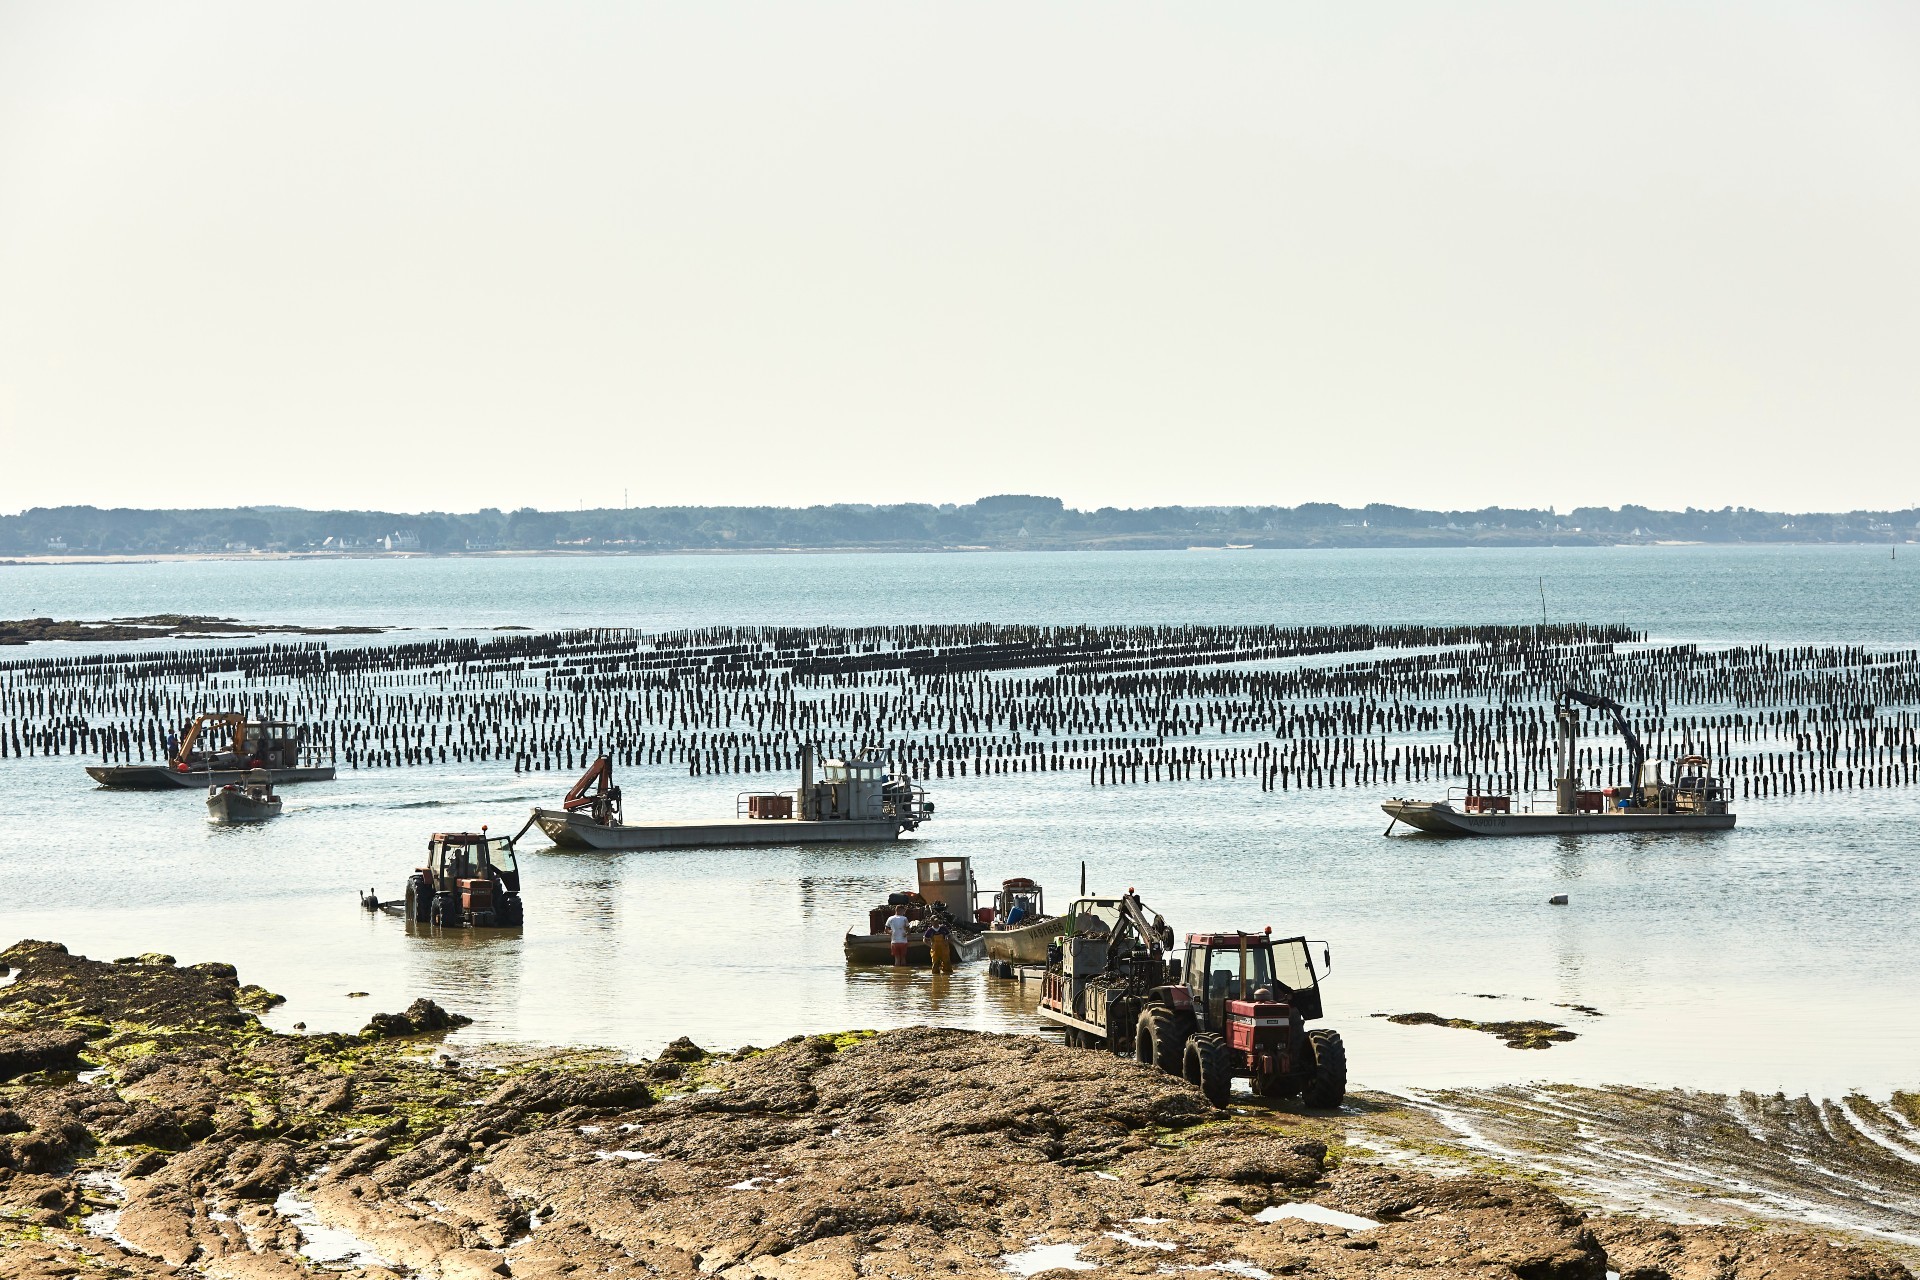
(1329, 1084)
(419, 899)
(1161, 1040)
(1207, 1068)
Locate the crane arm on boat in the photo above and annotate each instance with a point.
(595, 792)
(1636, 754)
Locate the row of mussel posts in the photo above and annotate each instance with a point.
(1281, 707)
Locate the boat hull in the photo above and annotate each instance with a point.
(1442, 819)
(160, 777)
(1023, 944)
(577, 831)
(229, 808)
(877, 948)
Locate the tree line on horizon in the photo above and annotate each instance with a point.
(1002, 522)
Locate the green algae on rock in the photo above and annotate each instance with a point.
(1523, 1034)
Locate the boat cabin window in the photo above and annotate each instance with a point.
(851, 770)
(949, 871)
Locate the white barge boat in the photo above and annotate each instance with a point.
(1694, 800)
(855, 801)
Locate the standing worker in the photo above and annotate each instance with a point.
(897, 929)
(940, 944)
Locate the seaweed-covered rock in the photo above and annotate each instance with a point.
(683, 1050)
(63, 989)
(40, 1050)
(599, 1089)
(422, 1017)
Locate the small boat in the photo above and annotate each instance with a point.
(220, 747)
(1020, 928)
(856, 801)
(946, 890)
(250, 801)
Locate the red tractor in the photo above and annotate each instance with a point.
(470, 882)
(1238, 1007)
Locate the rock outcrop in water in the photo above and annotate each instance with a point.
(199, 1139)
(154, 627)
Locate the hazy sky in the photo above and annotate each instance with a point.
(452, 255)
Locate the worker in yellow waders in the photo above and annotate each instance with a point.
(940, 946)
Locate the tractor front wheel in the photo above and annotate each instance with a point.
(1161, 1040)
(1207, 1068)
(444, 911)
(1329, 1084)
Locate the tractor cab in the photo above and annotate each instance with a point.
(469, 881)
(1227, 970)
(456, 856)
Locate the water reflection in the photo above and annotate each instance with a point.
(1688, 943)
(477, 972)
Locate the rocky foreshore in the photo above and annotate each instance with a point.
(151, 1125)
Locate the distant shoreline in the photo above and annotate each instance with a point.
(563, 553)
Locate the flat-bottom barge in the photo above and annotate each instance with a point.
(1694, 800)
(271, 748)
(1441, 817)
(854, 802)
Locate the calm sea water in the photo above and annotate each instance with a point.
(1830, 594)
(1780, 955)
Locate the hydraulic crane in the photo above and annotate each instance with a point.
(1568, 782)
